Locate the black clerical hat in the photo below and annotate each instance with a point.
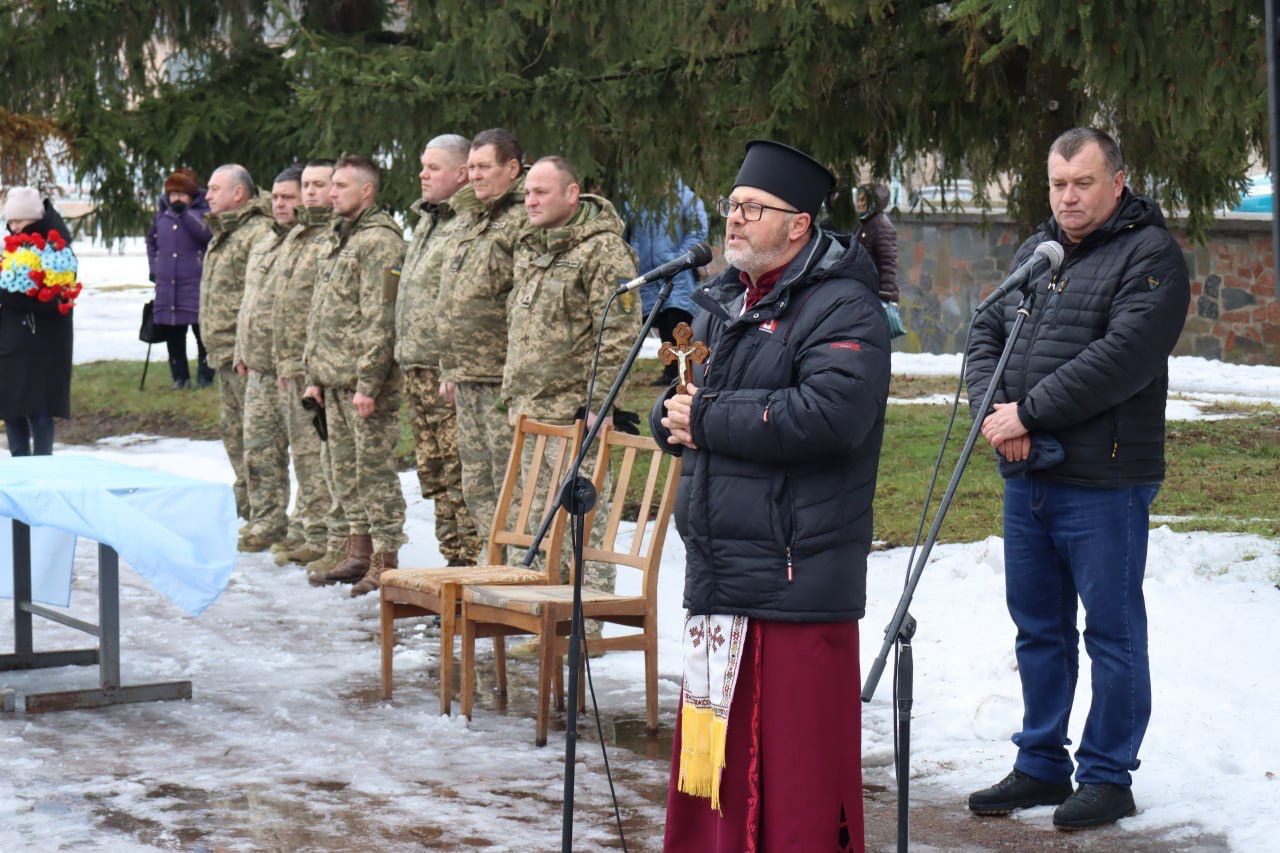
(791, 175)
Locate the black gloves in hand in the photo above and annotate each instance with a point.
(624, 421)
(177, 207)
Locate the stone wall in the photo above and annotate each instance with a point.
(948, 262)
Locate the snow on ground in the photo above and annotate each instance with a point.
(286, 744)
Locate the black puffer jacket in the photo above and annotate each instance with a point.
(1091, 365)
(775, 506)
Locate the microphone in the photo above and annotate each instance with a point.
(1047, 257)
(698, 256)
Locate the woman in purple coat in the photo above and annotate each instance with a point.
(175, 252)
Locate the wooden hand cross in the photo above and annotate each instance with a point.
(684, 353)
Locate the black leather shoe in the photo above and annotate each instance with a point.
(1018, 791)
(1095, 804)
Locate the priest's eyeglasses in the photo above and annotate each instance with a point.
(751, 210)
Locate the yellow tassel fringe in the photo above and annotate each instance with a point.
(702, 741)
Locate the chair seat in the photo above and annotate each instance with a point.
(531, 599)
(431, 581)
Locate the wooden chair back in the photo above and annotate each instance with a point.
(554, 448)
(644, 551)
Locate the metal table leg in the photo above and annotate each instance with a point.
(107, 655)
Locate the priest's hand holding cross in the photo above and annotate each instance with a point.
(679, 409)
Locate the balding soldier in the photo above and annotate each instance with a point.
(266, 438)
(323, 530)
(238, 216)
(474, 285)
(567, 264)
(351, 370)
(445, 211)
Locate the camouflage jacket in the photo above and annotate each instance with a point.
(351, 329)
(222, 281)
(297, 268)
(474, 285)
(253, 331)
(434, 240)
(563, 278)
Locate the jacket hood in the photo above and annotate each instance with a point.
(230, 220)
(878, 198)
(1131, 212)
(463, 201)
(826, 255)
(309, 217)
(596, 215)
(199, 203)
(371, 218)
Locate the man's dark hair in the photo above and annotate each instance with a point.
(504, 143)
(362, 164)
(322, 162)
(563, 166)
(1070, 143)
(293, 175)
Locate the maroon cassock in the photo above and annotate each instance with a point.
(793, 756)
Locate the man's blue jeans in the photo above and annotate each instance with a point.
(1063, 542)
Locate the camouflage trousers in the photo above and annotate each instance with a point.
(313, 502)
(598, 575)
(435, 447)
(231, 425)
(362, 464)
(266, 455)
(336, 523)
(484, 445)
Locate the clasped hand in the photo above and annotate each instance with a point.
(679, 408)
(1005, 432)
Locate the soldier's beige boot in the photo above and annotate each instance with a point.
(354, 566)
(252, 541)
(326, 563)
(380, 561)
(306, 552)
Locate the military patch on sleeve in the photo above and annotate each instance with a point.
(390, 283)
(1152, 282)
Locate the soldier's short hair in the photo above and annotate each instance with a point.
(291, 175)
(1070, 142)
(320, 163)
(362, 164)
(562, 165)
(238, 174)
(504, 142)
(455, 145)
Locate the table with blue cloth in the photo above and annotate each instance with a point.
(177, 532)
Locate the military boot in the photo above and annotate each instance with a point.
(255, 540)
(354, 566)
(306, 553)
(381, 561)
(327, 563)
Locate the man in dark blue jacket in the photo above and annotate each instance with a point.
(1088, 379)
(779, 434)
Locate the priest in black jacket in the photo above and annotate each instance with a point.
(780, 434)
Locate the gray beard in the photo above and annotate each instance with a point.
(754, 262)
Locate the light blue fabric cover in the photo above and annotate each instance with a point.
(178, 533)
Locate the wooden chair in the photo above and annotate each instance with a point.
(546, 611)
(416, 592)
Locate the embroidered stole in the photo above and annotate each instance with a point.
(712, 656)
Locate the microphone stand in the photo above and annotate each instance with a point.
(577, 495)
(902, 626)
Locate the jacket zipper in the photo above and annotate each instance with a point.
(1115, 435)
(791, 538)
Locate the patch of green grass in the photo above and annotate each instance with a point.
(1222, 475)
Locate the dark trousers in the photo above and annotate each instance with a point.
(24, 432)
(665, 323)
(176, 342)
(1062, 544)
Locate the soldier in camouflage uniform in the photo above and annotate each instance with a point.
(567, 264)
(444, 212)
(266, 437)
(238, 216)
(350, 367)
(324, 533)
(474, 285)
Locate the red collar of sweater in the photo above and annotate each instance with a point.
(763, 286)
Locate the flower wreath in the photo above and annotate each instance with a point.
(41, 267)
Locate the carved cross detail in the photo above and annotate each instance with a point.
(684, 353)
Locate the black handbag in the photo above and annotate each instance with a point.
(148, 332)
